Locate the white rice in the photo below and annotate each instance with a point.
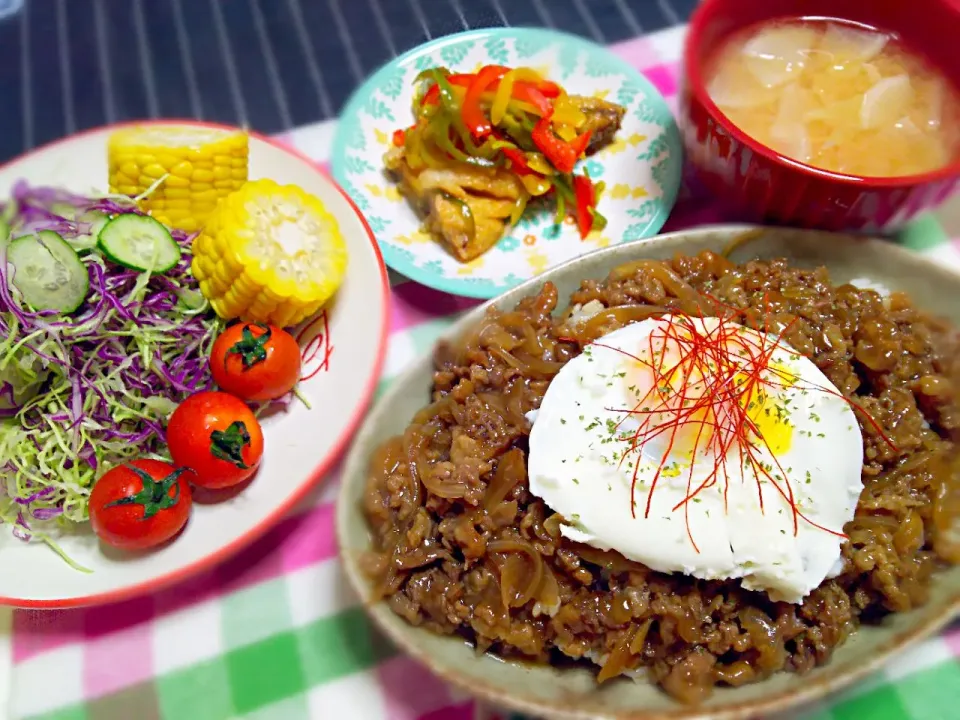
(580, 313)
(868, 284)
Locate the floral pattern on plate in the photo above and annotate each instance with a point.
(641, 168)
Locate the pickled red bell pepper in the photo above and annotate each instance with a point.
(585, 195)
(535, 95)
(473, 114)
(516, 156)
(562, 155)
(580, 143)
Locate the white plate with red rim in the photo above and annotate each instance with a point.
(343, 351)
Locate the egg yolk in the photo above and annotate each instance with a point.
(768, 408)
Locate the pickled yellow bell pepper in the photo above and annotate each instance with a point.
(269, 253)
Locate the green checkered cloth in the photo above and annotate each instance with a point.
(275, 634)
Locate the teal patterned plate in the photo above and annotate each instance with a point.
(641, 168)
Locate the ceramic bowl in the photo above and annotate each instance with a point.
(764, 185)
(572, 694)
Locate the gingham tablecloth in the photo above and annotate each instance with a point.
(275, 634)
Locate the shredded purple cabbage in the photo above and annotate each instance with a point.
(91, 390)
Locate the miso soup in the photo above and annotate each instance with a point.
(838, 96)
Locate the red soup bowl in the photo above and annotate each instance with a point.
(758, 183)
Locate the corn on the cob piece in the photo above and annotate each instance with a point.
(202, 165)
(269, 253)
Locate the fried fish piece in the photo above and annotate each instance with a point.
(603, 119)
(468, 207)
(468, 236)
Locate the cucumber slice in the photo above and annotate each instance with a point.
(48, 272)
(84, 243)
(139, 242)
(4, 230)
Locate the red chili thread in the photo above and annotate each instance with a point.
(731, 373)
(318, 343)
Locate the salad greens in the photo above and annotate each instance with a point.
(97, 347)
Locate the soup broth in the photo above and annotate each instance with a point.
(839, 97)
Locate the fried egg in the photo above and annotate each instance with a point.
(699, 446)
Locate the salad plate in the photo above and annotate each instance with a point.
(343, 350)
(639, 167)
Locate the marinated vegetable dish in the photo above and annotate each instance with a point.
(700, 471)
(484, 145)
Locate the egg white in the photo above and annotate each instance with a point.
(581, 464)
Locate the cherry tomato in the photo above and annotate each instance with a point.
(141, 504)
(255, 362)
(218, 437)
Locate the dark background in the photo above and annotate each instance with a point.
(66, 65)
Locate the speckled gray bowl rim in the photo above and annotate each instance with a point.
(571, 694)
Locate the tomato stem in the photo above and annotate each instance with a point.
(229, 444)
(251, 348)
(155, 495)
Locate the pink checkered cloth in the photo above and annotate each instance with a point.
(275, 633)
